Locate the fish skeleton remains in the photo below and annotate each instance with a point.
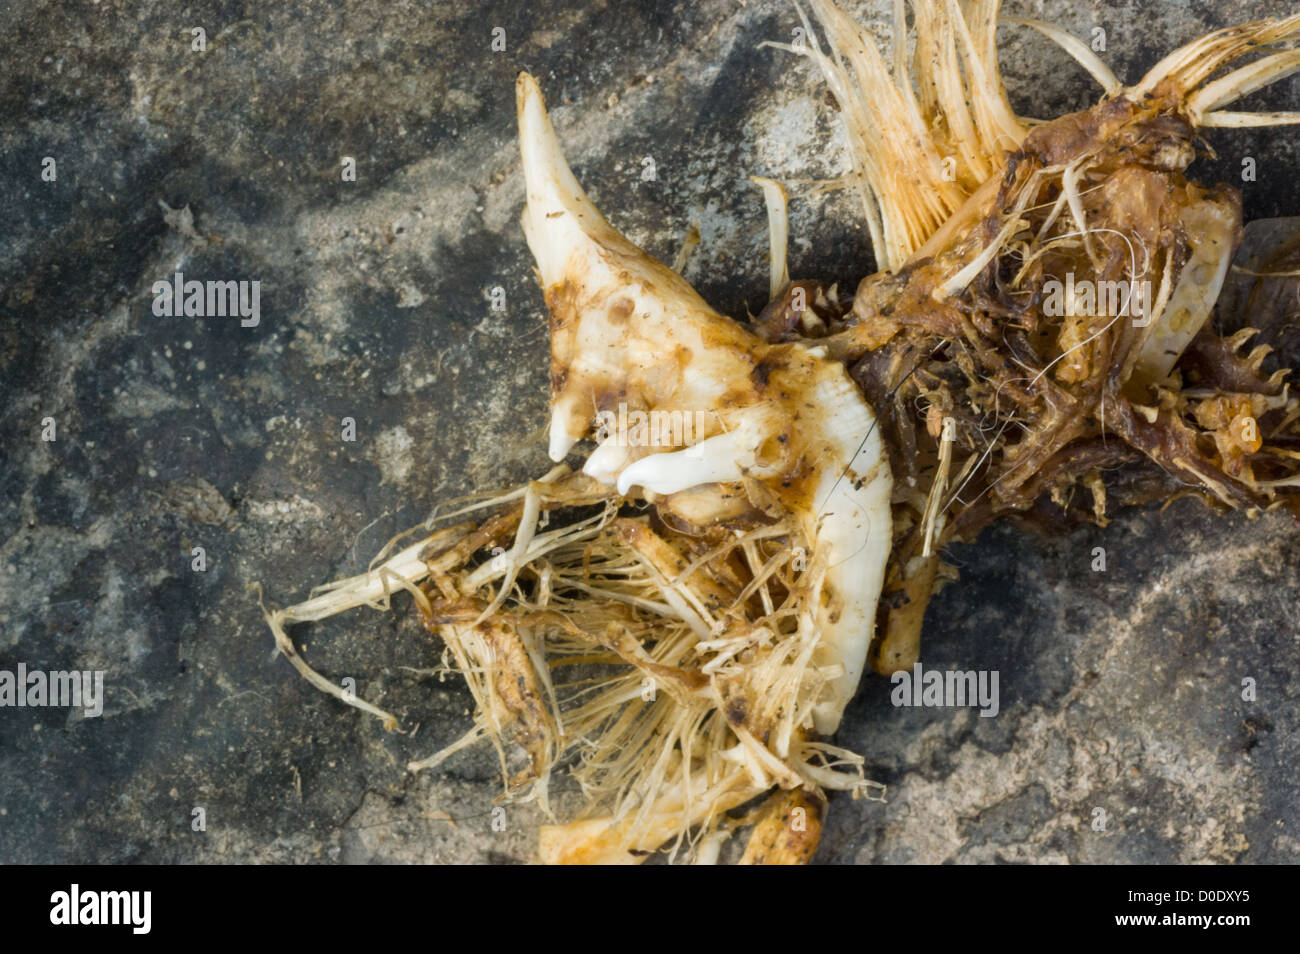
(715, 603)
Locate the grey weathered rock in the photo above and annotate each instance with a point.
(1120, 690)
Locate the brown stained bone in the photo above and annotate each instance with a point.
(517, 689)
(905, 598)
(788, 830)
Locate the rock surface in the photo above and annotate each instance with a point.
(1121, 691)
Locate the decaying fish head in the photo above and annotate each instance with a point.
(709, 587)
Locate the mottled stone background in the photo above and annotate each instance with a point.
(1120, 690)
